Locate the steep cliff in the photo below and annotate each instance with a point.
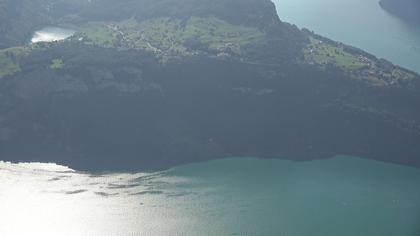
(151, 84)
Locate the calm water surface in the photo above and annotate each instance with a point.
(342, 196)
(50, 34)
(361, 23)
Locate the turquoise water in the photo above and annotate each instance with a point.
(361, 23)
(343, 196)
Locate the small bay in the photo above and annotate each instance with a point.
(50, 34)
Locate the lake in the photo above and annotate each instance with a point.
(50, 34)
(361, 23)
(343, 196)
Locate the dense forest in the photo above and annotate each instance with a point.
(151, 84)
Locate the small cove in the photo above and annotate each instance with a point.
(51, 34)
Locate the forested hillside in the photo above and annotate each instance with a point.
(151, 84)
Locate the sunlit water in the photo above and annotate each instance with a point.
(50, 34)
(342, 196)
(361, 23)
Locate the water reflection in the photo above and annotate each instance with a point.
(50, 34)
(343, 196)
(47, 199)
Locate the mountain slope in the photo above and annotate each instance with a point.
(159, 83)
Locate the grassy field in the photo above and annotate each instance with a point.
(373, 71)
(322, 53)
(218, 33)
(99, 34)
(56, 64)
(9, 60)
(172, 36)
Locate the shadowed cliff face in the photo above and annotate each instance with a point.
(124, 110)
(17, 20)
(246, 12)
(200, 86)
(20, 18)
(409, 10)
